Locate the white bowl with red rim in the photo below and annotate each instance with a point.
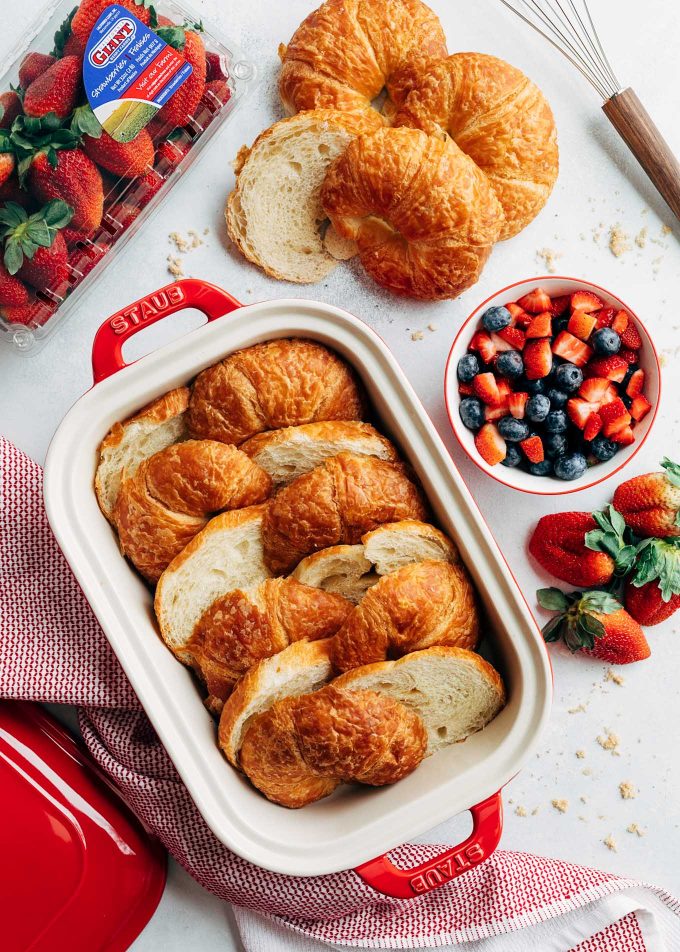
(520, 479)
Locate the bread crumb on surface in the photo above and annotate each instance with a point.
(417, 335)
(641, 237)
(577, 710)
(613, 676)
(619, 241)
(608, 741)
(587, 772)
(561, 805)
(666, 229)
(521, 811)
(175, 266)
(634, 828)
(627, 790)
(535, 811)
(583, 799)
(580, 754)
(610, 843)
(548, 256)
(179, 241)
(433, 327)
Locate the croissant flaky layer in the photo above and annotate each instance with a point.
(302, 748)
(347, 51)
(241, 628)
(418, 606)
(272, 385)
(500, 119)
(423, 214)
(167, 502)
(336, 503)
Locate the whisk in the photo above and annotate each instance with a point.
(568, 25)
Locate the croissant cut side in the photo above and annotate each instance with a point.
(167, 502)
(346, 52)
(241, 628)
(272, 385)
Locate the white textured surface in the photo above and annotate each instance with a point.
(599, 185)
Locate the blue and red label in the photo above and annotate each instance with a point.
(129, 72)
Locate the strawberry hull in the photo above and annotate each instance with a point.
(114, 179)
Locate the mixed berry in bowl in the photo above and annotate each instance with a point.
(552, 385)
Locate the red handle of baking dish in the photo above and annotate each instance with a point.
(107, 356)
(487, 825)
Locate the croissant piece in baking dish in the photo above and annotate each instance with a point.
(303, 747)
(154, 427)
(500, 119)
(418, 606)
(423, 214)
(171, 495)
(336, 503)
(243, 627)
(295, 450)
(272, 385)
(347, 51)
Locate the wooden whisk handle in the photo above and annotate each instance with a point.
(636, 127)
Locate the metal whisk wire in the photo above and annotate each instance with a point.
(571, 31)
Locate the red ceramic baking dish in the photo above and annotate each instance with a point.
(355, 825)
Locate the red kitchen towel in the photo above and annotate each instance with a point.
(51, 649)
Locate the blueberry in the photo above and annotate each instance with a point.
(570, 467)
(629, 373)
(512, 429)
(513, 457)
(555, 444)
(510, 363)
(560, 324)
(604, 449)
(541, 469)
(627, 402)
(605, 341)
(471, 413)
(538, 407)
(496, 318)
(558, 398)
(568, 377)
(533, 386)
(468, 368)
(556, 421)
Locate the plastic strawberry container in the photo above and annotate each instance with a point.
(50, 164)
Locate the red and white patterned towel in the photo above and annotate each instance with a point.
(51, 649)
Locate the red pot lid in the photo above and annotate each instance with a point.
(78, 872)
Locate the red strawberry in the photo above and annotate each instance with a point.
(630, 356)
(491, 413)
(48, 268)
(83, 259)
(33, 65)
(636, 384)
(537, 359)
(596, 623)
(640, 407)
(34, 314)
(533, 449)
(500, 344)
(74, 46)
(10, 108)
(7, 165)
(183, 103)
(560, 305)
(613, 368)
(623, 437)
(35, 249)
(572, 349)
(605, 317)
(217, 92)
(486, 388)
(586, 301)
(513, 336)
(517, 403)
(485, 347)
(620, 322)
(89, 12)
(540, 326)
(76, 180)
(593, 389)
(490, 444)
(592, 427)
(124, 159)
(147, 186)
(216, 67)
(647, 606)
(581, 324)
(650, 504)
(171, 151)
(13, 291)
(631, 337)
(124, 213)
(580, 411)
(610, 394)
(465, 389)
(615, 417)
(56, 90)
(558, 544)
(520, 318)
(535, 302)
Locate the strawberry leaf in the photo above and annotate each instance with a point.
(552, 599)
(14, 256)
(672, 471)
(62, 34)
(601, 602)
(12, 215)
(659, 559)
(84, 122)
(609, 538)
(174, 36)
(552, 630)
(57, 213)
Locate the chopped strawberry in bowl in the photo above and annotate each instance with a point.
(552, 385)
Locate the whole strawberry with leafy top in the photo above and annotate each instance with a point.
(10, 108)
(34, 248)
(652, 592)
(89, 12)
(595, 623)
(184, 102)
(13, 292)
(75, 179)
(33, 65)
(650, 504)
(57, 90)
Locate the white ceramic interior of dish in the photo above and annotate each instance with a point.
(356, 824)
(517, 478)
